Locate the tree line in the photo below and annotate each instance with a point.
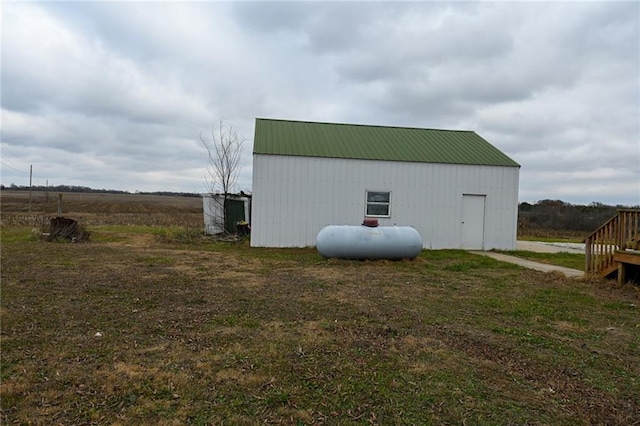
(559, 215)
(86, 189)
(544, 214)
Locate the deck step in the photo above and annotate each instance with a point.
(613, 244)
(605, 272)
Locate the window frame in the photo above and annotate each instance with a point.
(377, 203)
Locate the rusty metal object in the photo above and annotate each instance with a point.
(64, 228)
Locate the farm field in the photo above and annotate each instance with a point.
(94, 209)
(151, 323)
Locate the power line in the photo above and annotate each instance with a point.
(5, 147)
(13, 168)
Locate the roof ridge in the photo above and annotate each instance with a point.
(363, 125)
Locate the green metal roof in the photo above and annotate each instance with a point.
(310, 139)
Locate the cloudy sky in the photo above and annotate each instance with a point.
(115, 95)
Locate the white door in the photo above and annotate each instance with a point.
(473, 222)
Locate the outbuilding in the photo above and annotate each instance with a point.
(234, 208)
(458, 190)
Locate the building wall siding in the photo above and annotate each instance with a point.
(295, 197)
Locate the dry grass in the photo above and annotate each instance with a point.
(135, 328)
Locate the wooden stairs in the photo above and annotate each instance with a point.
(614, 248)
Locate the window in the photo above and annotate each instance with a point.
(378, 204)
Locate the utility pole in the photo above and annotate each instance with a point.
(30, 184)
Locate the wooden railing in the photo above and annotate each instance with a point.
(621, 232)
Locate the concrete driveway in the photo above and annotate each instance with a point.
(543, 247)
(539, 247)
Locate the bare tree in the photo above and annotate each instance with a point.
(224, 149)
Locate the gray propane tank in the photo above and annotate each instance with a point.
(364, 242)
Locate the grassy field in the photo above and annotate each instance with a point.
(552, 235)
(567, 260)
(149, 323)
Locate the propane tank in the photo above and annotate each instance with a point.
(366, 242)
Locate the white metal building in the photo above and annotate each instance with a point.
(454, 187)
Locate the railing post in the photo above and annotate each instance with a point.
(621, 234)
(587, 255)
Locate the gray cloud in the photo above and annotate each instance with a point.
(114, 95)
